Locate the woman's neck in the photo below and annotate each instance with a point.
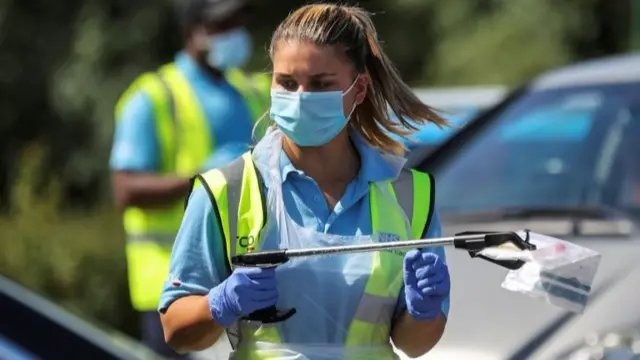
(337, 161)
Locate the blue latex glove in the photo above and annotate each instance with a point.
(426, 284)
(245, 291)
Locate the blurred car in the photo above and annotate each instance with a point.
(559, 156)
(32, 328)
(456, 104)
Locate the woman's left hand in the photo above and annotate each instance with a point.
(426, 284)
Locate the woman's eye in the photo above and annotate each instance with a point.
(320, 85)
(289, 85)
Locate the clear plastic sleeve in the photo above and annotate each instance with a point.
(559, 272)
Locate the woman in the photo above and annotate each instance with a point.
(327, 174)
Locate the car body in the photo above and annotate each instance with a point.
(560, 156)
(457, 105)
(34, 328)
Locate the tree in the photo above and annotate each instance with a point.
(504, 41)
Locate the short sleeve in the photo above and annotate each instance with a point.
(434, 231)
(197, 259)
(135, 145)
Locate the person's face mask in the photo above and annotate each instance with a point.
(310, 118)
(229, 49)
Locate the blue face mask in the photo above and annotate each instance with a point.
(229, 49)
(309, 118)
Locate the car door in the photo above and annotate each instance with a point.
(32, 327)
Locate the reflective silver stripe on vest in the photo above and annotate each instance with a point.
(375, 309)
(159, 238)
(379, 309)
(233, 175)
(403, 186)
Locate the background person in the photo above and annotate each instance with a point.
(171, 124)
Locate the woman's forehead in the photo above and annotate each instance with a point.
(306, 59)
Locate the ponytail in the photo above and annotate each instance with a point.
(386, 88)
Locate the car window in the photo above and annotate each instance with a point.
(547, 148)
(623, 188)
(551, 124)
(431, 135)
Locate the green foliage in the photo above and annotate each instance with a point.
(634, 41)
(505, 43)
(76, 259)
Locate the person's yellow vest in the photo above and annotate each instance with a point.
(236, 192)
(185, 143)
(255, 88)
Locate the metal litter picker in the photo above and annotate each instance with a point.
(489, 246)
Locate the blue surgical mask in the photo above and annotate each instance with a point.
(229, 49)
(309, 118)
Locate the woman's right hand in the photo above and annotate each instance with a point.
(245, 291)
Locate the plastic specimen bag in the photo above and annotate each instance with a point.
(559, 272)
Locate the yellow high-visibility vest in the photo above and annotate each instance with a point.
(255, 88)
(185, 143)
(236, 191)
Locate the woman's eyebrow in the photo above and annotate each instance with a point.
(320, 75)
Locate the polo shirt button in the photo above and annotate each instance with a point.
(317, 198)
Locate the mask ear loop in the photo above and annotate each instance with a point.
(351, 86)
(353, 108)
(257, 126)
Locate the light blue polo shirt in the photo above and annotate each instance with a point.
(135, 145)
(197, 260)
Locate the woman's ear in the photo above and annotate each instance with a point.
(361, 87)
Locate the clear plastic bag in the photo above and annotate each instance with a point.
(559, 272)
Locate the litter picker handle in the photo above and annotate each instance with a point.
(264, 259)
(270, 315)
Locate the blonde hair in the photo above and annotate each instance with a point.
(352, 29)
